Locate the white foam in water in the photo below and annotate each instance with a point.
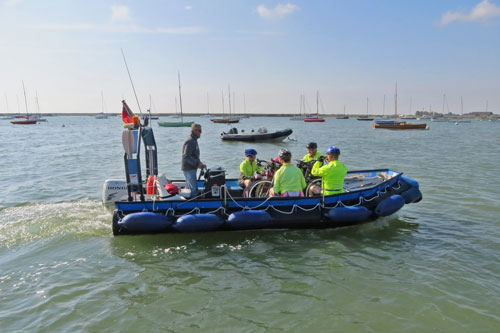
(38, 221)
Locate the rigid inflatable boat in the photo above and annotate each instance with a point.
(160, 205)
(260, 135)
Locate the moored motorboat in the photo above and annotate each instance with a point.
(225, 120)
(398, 125)
(159, 205)
(260, 135)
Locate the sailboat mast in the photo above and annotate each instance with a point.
(462, 105)
(244, 105)
(300, 106)
(367, 106)
(180, 95)
(208, 104)
(396, 102)
(37, 105)
(25, 99)
(317, 103)
(222, 103)
(383, 108)
(102, 102)
(229, 93)
(234, 103)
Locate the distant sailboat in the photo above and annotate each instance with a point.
(26, 120)
(207, 115)
(366, 118)
(7, 117)
(440, 119)
(102, 115)
(37, 116)
(316, 118)
(344, 116)
(182, 123)
(223, 120)
(395, 124)
(461, 120)
(148, 114)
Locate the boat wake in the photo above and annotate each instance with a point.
(34, 221)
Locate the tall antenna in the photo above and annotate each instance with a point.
(132, 83)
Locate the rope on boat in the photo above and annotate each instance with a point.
(195, 209)
(246, 207)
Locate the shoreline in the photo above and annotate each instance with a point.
(216, 115)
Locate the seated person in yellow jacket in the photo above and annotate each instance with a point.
(312, 152)
(248, 168)
(288, 181)
(332, 174)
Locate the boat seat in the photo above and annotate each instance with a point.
(162, 192)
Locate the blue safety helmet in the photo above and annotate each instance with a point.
(333, 151)
(250, 152)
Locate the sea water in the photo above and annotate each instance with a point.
(433, 265)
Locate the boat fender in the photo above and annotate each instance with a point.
(412, 195)
(145, 222)
(390, 205)
(198, 223)
(249, 219)
(349, 214)
(410, 181)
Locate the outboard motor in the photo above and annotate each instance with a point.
(233, 130)
(214, 179)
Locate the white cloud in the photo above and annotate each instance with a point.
(482, 12)
(120, 14)
(188, 7)
(278, 12)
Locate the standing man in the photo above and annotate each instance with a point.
(191, 159)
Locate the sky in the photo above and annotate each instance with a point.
(268, 53)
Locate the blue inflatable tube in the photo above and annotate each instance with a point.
(390, 205)
(350, 214)
(410, 181)
(198, 223)
(145, 222)
(249, 219)
(412, 195)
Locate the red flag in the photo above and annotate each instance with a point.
(127, 114)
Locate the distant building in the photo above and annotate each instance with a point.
(480, 113)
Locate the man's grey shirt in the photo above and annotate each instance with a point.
(190, 153)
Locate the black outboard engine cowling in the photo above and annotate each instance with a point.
(214, 179)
